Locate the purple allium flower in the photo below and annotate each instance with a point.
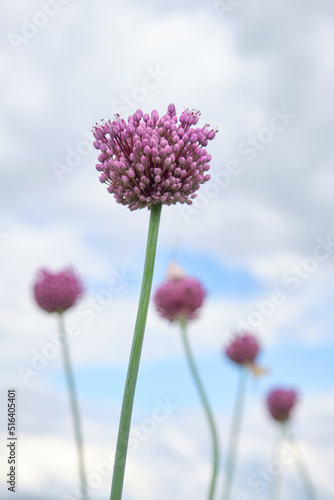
(243, 349)
(152, 160)
(56, 292)
(179, 299)
(280, 403)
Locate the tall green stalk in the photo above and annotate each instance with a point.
(235, 432)
(276, 487)
(199, 386)
(74, 408)
(133, 367)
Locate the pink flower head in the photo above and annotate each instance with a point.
(179, 299)
(56, 292)
(152, 160)
(243, 349)
(280, 403)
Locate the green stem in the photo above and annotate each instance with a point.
(198, 383)
(133, 367)
(276, 489)
(235, 431)
(304, 474)
(74, 408)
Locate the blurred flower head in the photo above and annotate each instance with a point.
(179, 299)
(152, 160)
(280, 403)
(56, 292)
(243, 349)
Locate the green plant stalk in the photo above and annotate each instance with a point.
(133, 367)
(74, 407)
(199, 386)
(304, 474)
(235, 432)
(276, 488)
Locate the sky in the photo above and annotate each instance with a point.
(259, 237)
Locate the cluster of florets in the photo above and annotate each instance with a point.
(152, 160)
(179, 299)
(280, 402)
(243, 349)
(56, 292)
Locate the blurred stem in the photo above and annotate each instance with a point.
(304, 473)
(74, 407)
(277, 448)
(199, 386)
(133, 367)
(235, 431)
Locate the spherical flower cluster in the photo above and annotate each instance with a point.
(179, 299)
(243, 349)
(56, 292)
(280, 403)
(152, 160)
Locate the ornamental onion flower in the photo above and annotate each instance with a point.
(150, 160)
(243, 349)
(280, 403)
(57, 292)
(179, 299)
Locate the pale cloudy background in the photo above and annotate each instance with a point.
(241, 65)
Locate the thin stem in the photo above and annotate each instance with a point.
(304, 474)
(74, 408)
(235, 431)
(276, 489)
(199, 386)
(133, 367)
